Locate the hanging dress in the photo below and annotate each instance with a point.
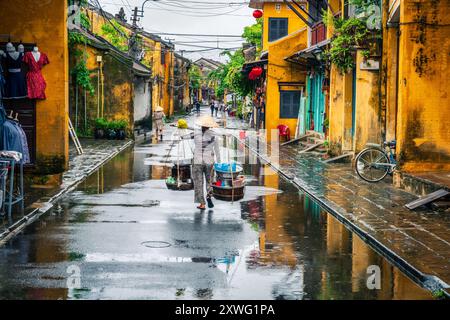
(35, 81)
(16, 86)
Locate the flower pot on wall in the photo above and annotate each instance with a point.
(121, 134)
(111, 134)
(99, 133)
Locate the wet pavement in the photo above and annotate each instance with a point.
(419, 240)
(131, 238)
(40, 197)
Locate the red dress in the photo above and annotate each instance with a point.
(35, 81)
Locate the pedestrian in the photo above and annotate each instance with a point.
(206, 147)
(197, 107)
(211, 105)
(158, 122)
(216, 107)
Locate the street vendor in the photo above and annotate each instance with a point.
(206, 153)
(158, 122)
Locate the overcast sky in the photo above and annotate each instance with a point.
(194, 17)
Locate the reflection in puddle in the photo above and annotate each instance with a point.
(274, 244)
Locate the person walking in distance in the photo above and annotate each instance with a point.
(211, 106)
(216, 106)
(158, 117)
(197, 107)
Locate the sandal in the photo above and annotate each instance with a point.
(201, 207)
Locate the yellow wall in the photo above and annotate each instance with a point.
(390, 81)
(340, 113)
(368, 126)
(423, 127)
(294, 24)
(162, 93)
(117, 102)
(279, 70)
(44, 23)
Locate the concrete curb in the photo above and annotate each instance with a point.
(429, 282)
(48, 204)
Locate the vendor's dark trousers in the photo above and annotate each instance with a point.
(202, 172)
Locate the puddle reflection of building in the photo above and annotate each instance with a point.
(49, 282)
(113, 175)
(160, 172)
(357, 256)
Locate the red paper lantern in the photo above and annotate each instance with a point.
(257, 14)
(257, 71)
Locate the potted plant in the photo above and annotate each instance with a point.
(101, 126)
(120, 128)
(111, 132)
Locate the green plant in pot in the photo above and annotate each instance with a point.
(101, 126)
(121, 126)
(111, 132)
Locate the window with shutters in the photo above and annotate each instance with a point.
(289, 104)
(278, 28)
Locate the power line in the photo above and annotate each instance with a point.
(199, 35)
(194, 14)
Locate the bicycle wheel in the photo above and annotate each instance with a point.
(372, 165)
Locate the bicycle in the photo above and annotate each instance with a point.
(374, 163)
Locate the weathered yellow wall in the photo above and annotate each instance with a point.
(162, 93)
(44, 23)
(368, 126)
(390, 81)
(294, 24)
(279, 70)
(117, 101)
(423, 127)
(340, 113)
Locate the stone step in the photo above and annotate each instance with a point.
(316, 134)
(314, 140)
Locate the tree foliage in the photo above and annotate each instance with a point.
(349, 35)
(253, 34)
(115, 34)
(195, 77)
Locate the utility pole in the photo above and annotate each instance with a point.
(134, 18)
(135, 46)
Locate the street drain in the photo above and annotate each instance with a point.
(156, 244)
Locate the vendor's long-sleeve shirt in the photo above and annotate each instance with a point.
(206, 150)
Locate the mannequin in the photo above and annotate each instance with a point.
(36, 84)
(16, 87)
(21, 48)
(36, 53)
(11, 51)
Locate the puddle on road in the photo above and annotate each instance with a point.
(274, 244)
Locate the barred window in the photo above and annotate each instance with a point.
(278, 28)
(289, 104)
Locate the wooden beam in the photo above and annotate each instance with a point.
(427, 199)
(306, 12)
(298, 13)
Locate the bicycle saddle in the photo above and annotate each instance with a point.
(391, 144)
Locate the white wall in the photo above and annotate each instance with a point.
(142, 99)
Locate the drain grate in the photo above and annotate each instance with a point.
(156, 244)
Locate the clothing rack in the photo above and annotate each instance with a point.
(7, 187)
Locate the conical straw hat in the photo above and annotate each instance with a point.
(158, 109)
(207, 122)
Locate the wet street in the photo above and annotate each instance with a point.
(131, 238)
